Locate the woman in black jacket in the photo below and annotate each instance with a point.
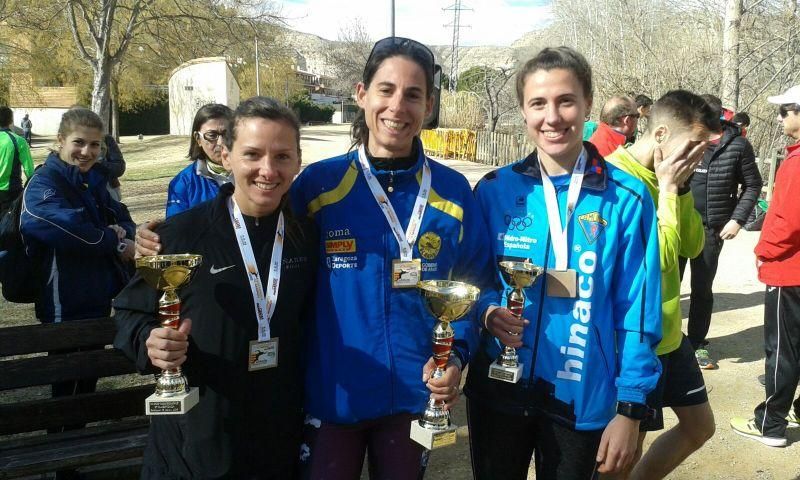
(248, 421)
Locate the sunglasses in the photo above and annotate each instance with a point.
(393, 44)
(784, 109)
(211, 136)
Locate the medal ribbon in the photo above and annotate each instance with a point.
(264, 303)
(405, 239)
(559, 234)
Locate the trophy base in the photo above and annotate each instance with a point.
(432, 439)
(505, 374)
(174, 405)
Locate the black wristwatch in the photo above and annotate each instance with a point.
(636, 411)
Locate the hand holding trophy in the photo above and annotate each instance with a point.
(448, 301)
(519, 275)
(167, 273)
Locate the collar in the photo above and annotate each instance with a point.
(409, 172)
(595, 177)
(607, 129)
(201, 169)
(71, 172)
(793, 150)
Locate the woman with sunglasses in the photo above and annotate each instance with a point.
(388, 216)
(201, 180)
(587, 331)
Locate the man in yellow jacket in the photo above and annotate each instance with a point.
(664, 158)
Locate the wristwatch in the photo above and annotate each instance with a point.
(121, 247)
(636, 411)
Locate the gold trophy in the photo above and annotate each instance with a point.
(448, 301)
(519, 275)
(167, 273)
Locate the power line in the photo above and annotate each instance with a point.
(456, 8)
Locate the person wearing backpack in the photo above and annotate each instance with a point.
(15, 157)
(79, 237)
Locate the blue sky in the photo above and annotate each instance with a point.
(491, 22)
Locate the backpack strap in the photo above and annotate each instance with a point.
(16, 147)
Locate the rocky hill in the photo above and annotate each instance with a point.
(310, 53)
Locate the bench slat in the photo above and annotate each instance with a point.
(96, 445)
(27, 372)
(55, 412)
(54, 336)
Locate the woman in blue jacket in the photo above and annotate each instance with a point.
(590, 324)
(200, 181)
(82, 236)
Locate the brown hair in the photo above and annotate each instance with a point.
(552, 58)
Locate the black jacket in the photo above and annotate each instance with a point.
(715, 182)
(247, 424)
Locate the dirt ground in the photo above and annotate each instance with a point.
(736, 330)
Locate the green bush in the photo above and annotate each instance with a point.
(308, 111)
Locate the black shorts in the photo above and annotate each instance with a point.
(681, 385)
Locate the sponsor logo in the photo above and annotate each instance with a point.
(592, 225)
(48, 193)
(430, 266)
(294, 262)
(700, 170)
(519, 201)
(341, 245)
(521, 242)
(429, 245)
(336, 262)
(518, 223)
(339, 232)
(574, 352)
(214, 270)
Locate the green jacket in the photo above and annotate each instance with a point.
(680, 233)
(10, 172)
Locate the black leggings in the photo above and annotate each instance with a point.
(502, 446)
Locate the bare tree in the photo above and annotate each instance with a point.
(493, 86)
(349, 54)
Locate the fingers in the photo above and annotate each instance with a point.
(658, 157)
(185, 327)
(445, 388)
(167, 348)
(147, 241)
(428, 369)
(506, 327)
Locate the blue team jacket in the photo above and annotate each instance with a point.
(580, 354)
(68, 231)
(369, 341)
(190, 187)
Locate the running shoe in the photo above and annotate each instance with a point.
(793, 419)
(746, 427)
(704, 360)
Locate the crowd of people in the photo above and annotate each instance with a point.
(310, 265)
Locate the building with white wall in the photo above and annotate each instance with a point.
(196, 83)
(43, 105)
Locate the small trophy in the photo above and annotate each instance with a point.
(448, 301)
(519, 275)
(168, 273)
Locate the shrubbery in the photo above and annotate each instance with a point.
(308, 111)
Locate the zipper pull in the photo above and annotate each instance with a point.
(390, 188)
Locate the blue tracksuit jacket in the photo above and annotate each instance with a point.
(68, 231)
(580, 354)
(190, 187)
(369, 341)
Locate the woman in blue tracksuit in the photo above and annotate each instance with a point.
(82, 236)
(370, 338)
(200, 181)
(591, 322)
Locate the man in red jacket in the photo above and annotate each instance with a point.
(618, 120)
(778, 261)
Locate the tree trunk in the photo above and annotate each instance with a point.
(730, 54)
(100, 90)
(115, 108)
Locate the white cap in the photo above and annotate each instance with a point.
(789, 96)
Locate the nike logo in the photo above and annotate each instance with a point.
(215, 270)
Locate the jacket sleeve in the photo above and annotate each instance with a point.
(49, 219)
(782, 225)
(669, 234)
(135, 318)
(473, 267)
(25, 158)
(177, 196)
(636, 295)
(492, 289)
(693, 237)
(750, 179)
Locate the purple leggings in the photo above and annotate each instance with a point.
(336, 452)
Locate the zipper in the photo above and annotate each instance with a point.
(600, 346)
(386, 311)
(535, 351)
(390, 188)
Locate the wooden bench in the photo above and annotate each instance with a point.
(116, 427)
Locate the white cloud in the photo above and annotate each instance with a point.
(492, 22)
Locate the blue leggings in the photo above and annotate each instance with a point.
(336, 452)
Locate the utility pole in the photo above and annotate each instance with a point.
(456, 8)
(392, 17)
(258, 71)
